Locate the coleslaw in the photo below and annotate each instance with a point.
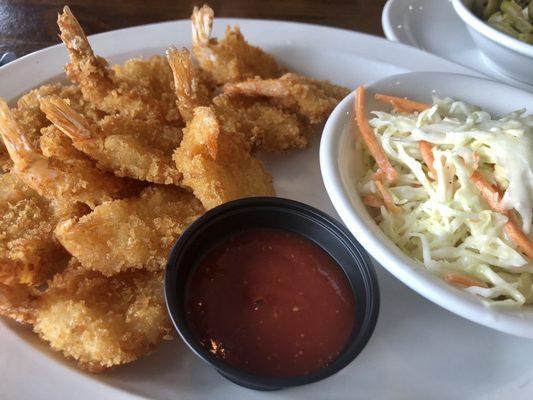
(448, 160)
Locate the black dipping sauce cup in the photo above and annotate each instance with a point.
(273, 213)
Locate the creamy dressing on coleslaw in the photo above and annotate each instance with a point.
(444, 222)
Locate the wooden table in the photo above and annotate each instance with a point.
(29, 25)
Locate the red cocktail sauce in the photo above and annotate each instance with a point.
(271, 303)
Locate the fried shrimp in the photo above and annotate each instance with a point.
(191, 92)
(5, 161)
(18, 302)
(102, 322)
(231, 59)
(99, 84)
(130, 233)
(54, 143)
(216, 165)
(27, 111)
(77, 179)
(262, 125)
(259, 123)
(139, 149)
(309, 97)
(29, 253)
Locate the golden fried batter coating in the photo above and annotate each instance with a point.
(54, 143)
(139, 149)
(18, 302)
(103, 322)
(31, 119)
(5, 161)
(231, 59)
(309, 97)
(261, 124)
(216, 165)
(153, 78)
(29, 253)
(76, 179)
(131, 233)
(99, 83)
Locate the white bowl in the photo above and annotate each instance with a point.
(340, 170)
(502, 52)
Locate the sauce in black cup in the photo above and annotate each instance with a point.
(271, 292)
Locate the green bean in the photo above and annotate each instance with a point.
(496, 17)
(485, 8)
(513, 17)
(505, 28)
(526, 37)
(516, 14)
(477, 7)
(491, 7)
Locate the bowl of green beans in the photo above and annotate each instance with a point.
(503, 32)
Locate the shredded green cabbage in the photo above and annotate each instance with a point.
(445, 224)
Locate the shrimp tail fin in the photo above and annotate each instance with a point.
(202, 24)
(73, 36)
(274, 88)
(29, 163)
(65, 118)
(84, 65)
(188, 89)
(15, 140)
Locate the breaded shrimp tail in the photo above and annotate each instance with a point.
(231, 59)
(77, 180)
(190, 92)
(311, 98)
(139, 149)
(85, 68)
(99, 85)
(218, 166)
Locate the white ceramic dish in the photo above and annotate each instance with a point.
(506, 54)
(434, 26)
(340, 171)
(421, 350)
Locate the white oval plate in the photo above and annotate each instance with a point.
(421, 350)
(339, 166)
(433, 25)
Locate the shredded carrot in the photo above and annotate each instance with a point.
(519, 237)
(463, 280)
(372, 200)
(475, 160)
(490, 193)
(493, 197)
(387, 198)
(370, 139)
(402, 105)
(379, 175)
(427, 156)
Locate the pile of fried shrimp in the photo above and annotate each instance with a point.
(98, 178)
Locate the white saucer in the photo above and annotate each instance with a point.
(432, 25)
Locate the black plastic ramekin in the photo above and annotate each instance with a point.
(275, 213)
